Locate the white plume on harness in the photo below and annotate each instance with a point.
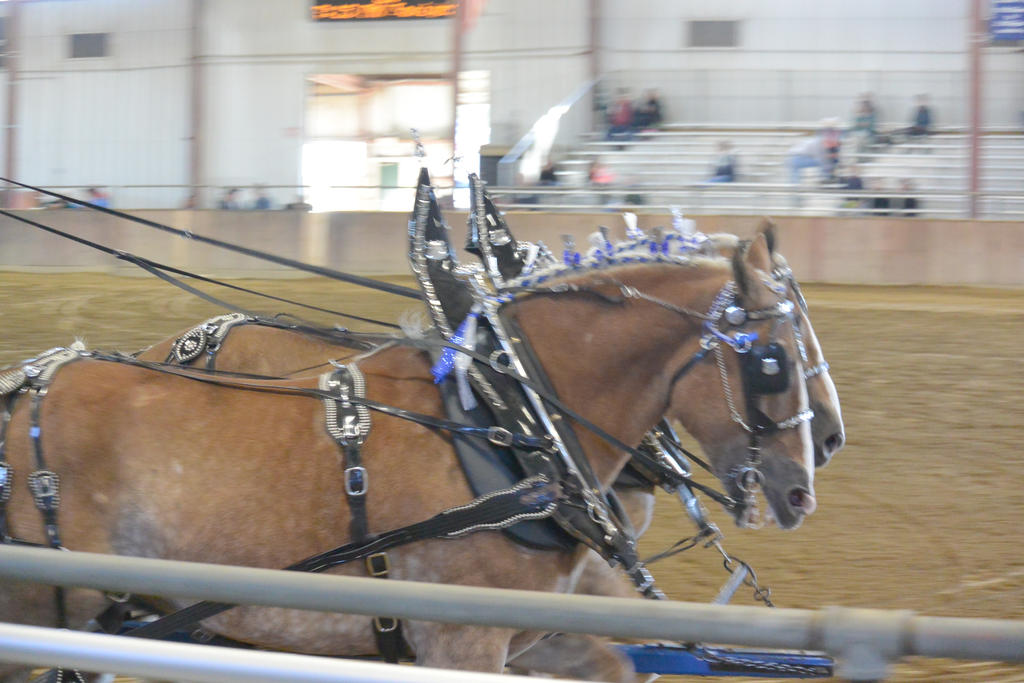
(467, 332)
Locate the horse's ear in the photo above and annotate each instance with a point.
(768, 229)
(750, 255)
(759, 253)
(739, 266)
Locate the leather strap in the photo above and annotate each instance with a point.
(348, 424)
(387, 631)
(533, 498)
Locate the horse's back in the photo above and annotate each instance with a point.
(160, 465)
(260, 349)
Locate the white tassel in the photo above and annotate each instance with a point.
(632, 231)
(463, 361)
(530, 259)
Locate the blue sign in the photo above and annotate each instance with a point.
(1007, 23)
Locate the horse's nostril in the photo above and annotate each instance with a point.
(833, 444)
(802, 500)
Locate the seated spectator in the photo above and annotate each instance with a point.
(98, 197)
(601, 176)
(648, 112)
(865, 118)
(229, 202)
(547, 174)
(850, 179)
(821, 150)
(831, 144)
(262, 201)
(879, 206)
(921, 124)
(865, 124)
(906, 206)
(621, 118)
(724, 170)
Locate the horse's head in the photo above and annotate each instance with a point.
(827, 428)
(749, 407)
(670, 328)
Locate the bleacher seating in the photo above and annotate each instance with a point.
(652, 163)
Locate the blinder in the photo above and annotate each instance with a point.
(765, 369)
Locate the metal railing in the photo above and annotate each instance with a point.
(155, 660)
(691, 195)
(863, 641)
(758, 199)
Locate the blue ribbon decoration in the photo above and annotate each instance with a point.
(446, 363)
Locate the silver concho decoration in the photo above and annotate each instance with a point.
(437, 250)
(6, 479)
(734, 315)
(190, 345)
(500, 237)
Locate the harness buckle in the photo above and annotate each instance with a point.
(45, 487)
(385, 624)
(500, 436)
(356, 481)
(378, 565)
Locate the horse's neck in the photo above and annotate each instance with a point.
(614, 362)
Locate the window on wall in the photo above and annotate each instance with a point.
(713, 34)
(85, 45)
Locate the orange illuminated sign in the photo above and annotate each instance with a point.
(384, 9)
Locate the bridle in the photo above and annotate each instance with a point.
(764, 368)
(784, 273)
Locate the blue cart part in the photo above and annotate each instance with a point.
(704, 660)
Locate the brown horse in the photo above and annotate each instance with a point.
(271, 350)
(164, 466)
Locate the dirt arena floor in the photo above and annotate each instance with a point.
(921, 511)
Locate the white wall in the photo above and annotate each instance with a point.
(124, 119)
(111, 121)
(798, 60)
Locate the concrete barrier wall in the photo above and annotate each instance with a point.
(820, 249)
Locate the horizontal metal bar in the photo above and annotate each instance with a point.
(833, 629)
(203, 663)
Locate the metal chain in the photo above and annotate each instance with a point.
(727, 389)
(751, 663)
(732, 564)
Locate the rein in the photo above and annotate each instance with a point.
(161, 271)
(247, 251)
(233, 380)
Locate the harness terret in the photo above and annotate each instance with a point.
(204, 338)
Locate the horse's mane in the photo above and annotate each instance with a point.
(687, 250)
